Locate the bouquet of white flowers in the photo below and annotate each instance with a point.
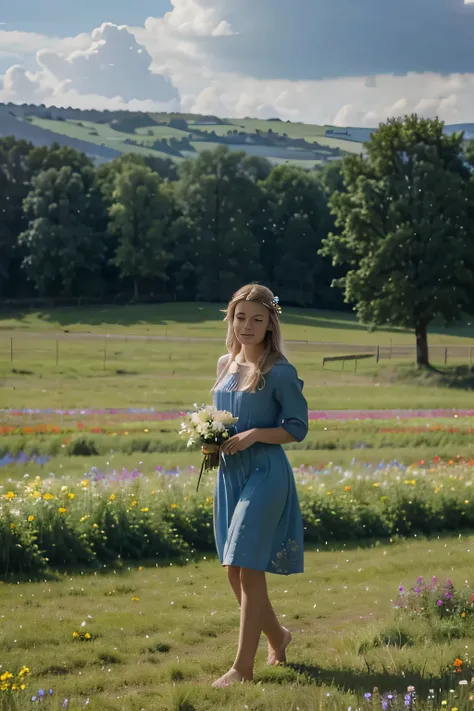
(210, 427)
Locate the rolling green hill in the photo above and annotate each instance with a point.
(178, 136)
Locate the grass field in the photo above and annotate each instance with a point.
(97, 134)
(293, 130)
(106, 135)
(160, 633)
(89, 357)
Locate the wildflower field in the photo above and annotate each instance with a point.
(111, 596)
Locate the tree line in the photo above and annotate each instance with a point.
(392, 230)
(142, 226)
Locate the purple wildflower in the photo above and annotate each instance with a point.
(65, 703)
(408, 699)
(385, 704)
(368, 695)
(417, 590)
(419, 580)
(34, 698)
(41, 692)
(401, 588)
(439, 603)
(448, 596)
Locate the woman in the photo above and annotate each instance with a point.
(257, 518)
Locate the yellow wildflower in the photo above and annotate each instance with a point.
(31, 519)
(6, 675)
(174, 506)
(62, 510)
(347, 488)
(75, 635)
(112, 497)
(144, 510)
(48, 497)
(12, 526)
(71, 496)
(10, 495)
(36, 494)
(135, 599)
(84, 482)
(95, 525)
(134, 503)
(84, 518)
(87, 635)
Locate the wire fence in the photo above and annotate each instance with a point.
(111, 350)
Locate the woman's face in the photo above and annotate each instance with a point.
(251, 321)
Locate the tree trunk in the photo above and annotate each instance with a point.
(422, 355)
(135, 290)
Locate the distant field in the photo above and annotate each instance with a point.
(97, 134)
(206, 321)
(154, 356)
(105, 135)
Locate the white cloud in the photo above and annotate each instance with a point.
(196, 17)
(341, 102)
(113, 66)
(198, 45)
(24, 43)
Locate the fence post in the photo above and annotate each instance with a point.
(378, 353)
(470, 356)
(446, 355)
(11, 349)
(57, 353)
(105, 352)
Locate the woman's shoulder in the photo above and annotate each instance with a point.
(222, 363)
(284, 370)
(282, 365)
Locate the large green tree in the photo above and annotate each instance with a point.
(296, 220)
(139, 217)
(61, 244)
(219, 198)
(15, 177)
(405, 228)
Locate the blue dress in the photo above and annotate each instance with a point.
(257, 515)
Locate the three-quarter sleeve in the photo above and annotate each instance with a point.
(294, 408)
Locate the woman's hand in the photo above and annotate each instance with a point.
(239, 442)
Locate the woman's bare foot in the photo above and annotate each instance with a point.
(231, 677)
(278, 656)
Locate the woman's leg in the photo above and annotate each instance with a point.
(256, 614)
(276, 655)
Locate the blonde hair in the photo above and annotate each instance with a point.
(273, 341)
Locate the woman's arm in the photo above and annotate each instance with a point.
(244, 440)
(272, 435)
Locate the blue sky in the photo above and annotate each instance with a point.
(65, 18)
(342, 62)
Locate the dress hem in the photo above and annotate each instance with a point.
(264, 570)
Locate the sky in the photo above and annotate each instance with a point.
(335, 62)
